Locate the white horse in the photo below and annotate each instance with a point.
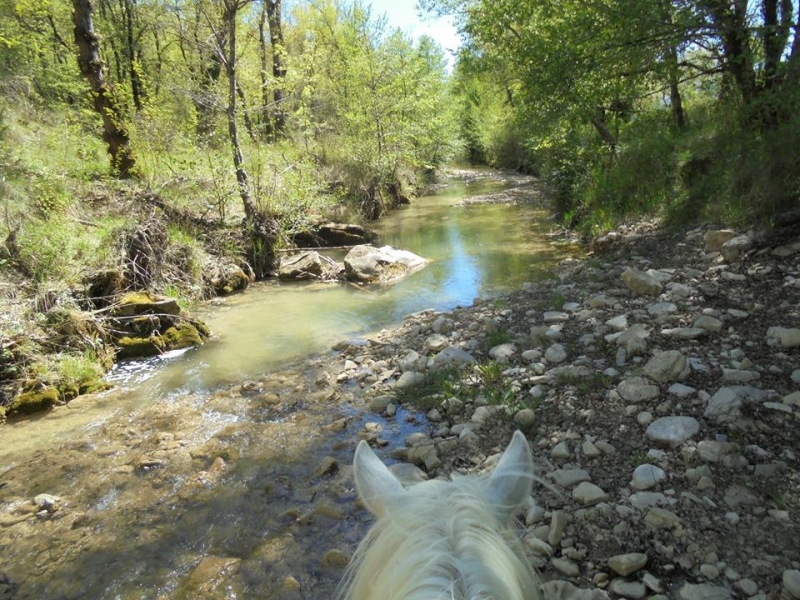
(443, 540)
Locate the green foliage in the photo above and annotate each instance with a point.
(627, 107)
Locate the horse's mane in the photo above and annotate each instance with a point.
(440, 540)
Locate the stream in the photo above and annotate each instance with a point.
(223, 472)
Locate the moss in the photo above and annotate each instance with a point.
(68, 391)
(182, 336)
(33, 402)
(143, 303)
(94, 386)
(202, 328)
(139, 347)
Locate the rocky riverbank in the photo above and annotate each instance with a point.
(658, 381)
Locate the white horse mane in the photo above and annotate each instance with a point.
(443, 540)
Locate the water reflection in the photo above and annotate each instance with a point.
(475, 250)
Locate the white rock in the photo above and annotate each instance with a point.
(409, 379)
(708, 323)
(568, 477)
(555, 317)
(702, 591)
(724, 406)
(678, 290)
(618, 323)
(788, 338)
(647, 476)
(672, 431)
(436, 342)
(661, 308)
(561, 450)
(739, 375)
(564, 590)
(503, 352)
(555, 354)
(791, 582)
(452, 357)
(712, 451)
(715, 239)
(588, 493)
(641, 283)
(637, 389)
(680, 390)
(684, 333)
(666, 366)
(625, 564)
(734, 247)
(792, 399)
(628, 589)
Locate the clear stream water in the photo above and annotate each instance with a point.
(185, 484)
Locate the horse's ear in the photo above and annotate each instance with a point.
(509, 485)
(374, 482)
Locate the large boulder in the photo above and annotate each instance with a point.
(367, 264)
(306, 265)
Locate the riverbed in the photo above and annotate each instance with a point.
(222, 472)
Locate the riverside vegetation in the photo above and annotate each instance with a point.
(170, 149)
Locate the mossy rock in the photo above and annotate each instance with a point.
(140, 347)
(182, 336)
(33, 402)
(145, 303)
(69, 391)
(202, 328)
(92, 386)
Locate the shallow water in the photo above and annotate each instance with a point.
(184, 483)
(475, 251)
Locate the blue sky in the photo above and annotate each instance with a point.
(403, 14)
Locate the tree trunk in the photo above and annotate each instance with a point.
(134, 67)
(730, 20)
(263, 229)
(115, 133)
(266, 97)
(675, 99)
(278, 114)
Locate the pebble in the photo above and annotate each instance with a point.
(628, 589)
(567, 478)
(625, 564)
(702, 591)
(525, 418)
(588, 493)
(708, 323)
(666, 366)
(561, 450)
(791, 583)
(555, 354)
(672, 431)
(661, 308)
(503, 352)
(647, 476)
(637, 389)
(641, 283)
(565, 567)
(788, 338)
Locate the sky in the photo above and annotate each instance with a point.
(403, 14)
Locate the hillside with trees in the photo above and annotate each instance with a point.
(176, 146)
